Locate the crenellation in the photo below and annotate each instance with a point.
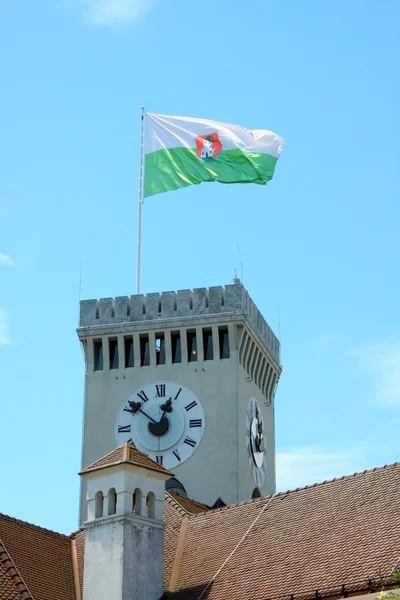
(153, 305)
(107, 310)
(216, 299)
(168, 304)
(89, 312)
(138, 307)
(200, 301)
(122, 308)
(185, 303)
(234, 297)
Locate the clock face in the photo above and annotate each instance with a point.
(256, 442)
(164, 419)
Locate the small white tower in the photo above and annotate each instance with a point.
(124, 531)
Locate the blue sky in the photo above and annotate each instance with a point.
(320, 241)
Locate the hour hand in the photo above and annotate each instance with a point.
(135, 407)
(167, 406)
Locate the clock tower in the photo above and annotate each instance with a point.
(189, 378)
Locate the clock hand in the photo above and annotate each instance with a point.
(135, 407)
(167, 407)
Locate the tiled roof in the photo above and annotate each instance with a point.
(126, 454)
(41, 557)
(325, 535)
(315, 538)
(12, 586)
(189, 504)
(79, 538)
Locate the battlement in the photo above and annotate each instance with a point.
(232, 298)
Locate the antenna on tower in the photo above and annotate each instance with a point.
(241, 262)
(235, 279)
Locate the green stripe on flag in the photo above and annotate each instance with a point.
(174, 168)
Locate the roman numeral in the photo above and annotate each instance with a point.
(131, 442)
(189, 442)
(160, 391)
(195, 422)
(159, 460)
(176, 453)
(142, 396)
(248, 450)
(124, 428)
(176, 397)
(191, 405)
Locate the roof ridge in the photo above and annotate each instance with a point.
(180, 508)
(298, 489)
(130, 455)
(229, 506)
(74, 533)
(44, 529)
(192, 500)
(16, 577)
(341, 478)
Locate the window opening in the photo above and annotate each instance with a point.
(208, 344)
(151, 505)
(223, 342)
(128, 351)
(144, 351)
(113, 347)
(176, 347)
(98, 505)
(98, 355)
(174, 486)
(160, 348)
(137, 502)
(112, 501)
(192, 346)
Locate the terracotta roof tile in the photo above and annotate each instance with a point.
(12, 586)
(42, 558)
(319, 537)
(126, 454)
(79, 537)
(189, 504)
(172, 515)
(324, 535)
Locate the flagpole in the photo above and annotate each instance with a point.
(140, 202)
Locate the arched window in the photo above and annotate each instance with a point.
(98, 504)
(174, 486)
(137, 502)
(256, 493)
(151, 505)
(112, 501)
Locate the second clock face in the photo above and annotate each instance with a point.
(256, 442)
(164, 419)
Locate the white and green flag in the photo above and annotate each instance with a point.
(182, 151)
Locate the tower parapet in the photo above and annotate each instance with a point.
(216, 300)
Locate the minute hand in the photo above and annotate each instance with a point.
(146, 415)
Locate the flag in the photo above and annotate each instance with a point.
(182, 151)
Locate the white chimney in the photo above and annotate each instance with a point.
(124, 533)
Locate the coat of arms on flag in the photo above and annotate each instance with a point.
(208, 146)
(182, 151)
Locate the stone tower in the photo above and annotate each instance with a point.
(189, 378)
(124, 530)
